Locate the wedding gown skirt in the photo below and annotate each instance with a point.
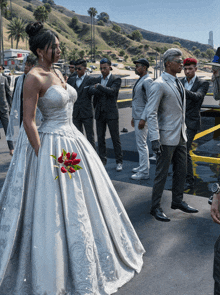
(64, 236)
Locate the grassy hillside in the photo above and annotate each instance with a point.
(79, 39)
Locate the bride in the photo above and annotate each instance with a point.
(63, 236)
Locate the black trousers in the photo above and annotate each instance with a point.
(216, 268)
(4, 117)
(177, 156)
(189, 176)
(113, 126)
(88, 125)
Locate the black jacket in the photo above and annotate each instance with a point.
(83, 106)
(194, 100)
(105, 98)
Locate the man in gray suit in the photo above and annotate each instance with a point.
(167, 133)
(139, 100)
(83, 109)
(196, 90)
(5, 105)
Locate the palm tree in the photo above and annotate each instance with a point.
(16, 30)
(92, 12)
(41, 14)
(3, 5)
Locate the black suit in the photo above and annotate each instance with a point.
(83, 109)
(21, 97)
(106, 113)
(5, 105)
(194, 100)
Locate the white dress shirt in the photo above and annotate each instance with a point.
(105, 81)
(189, 85)
(79, 80)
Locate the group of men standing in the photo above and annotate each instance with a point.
(162, 108)
(100, 93)
(169, 111)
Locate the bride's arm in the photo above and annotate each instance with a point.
(31, 91)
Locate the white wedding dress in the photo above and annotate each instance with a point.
(64, 236)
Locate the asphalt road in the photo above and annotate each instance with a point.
(179, 254)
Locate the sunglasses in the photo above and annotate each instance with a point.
(72, 67)
(179, 61)
(104, 68)
(78, 69)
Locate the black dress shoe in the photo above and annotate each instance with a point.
(188, 186)
(183, 206)
(159, 214)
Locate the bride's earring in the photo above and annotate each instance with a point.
(42, 58)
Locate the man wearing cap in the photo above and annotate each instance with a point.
(196, 90)
(83, 109)
(105, 93)
(5, 105)
(140, 95)
(167, 133)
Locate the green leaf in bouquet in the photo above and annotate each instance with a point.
(56, 177)
(64, 152)
(77, 167)
(53, 157)
(70, 176)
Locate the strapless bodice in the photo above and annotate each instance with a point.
(56, 107)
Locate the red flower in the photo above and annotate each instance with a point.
(68, 155)
(60, 159)
(67, 162)
(63, 170)
(75, 161)
(71, 170)
(74, 155)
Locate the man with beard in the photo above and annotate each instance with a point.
(167, 133)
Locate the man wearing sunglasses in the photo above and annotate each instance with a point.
(105, 93)
(72, 70)
(167, 132)
(83, 109)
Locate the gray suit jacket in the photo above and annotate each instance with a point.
(140, 96)
(166, 112)
(5, 95)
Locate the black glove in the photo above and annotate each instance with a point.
(156, 147)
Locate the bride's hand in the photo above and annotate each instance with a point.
(36, 151)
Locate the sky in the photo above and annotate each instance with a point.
(187, 19)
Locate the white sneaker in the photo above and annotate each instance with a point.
(119, 167)
(139, 176)
(135, 170)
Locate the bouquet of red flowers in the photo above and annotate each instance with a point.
(69, 163)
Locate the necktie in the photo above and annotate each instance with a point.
(179, 87)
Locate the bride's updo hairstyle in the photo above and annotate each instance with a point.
(40, 38)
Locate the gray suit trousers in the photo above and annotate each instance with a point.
(177, 156)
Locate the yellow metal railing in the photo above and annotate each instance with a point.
(202, 158)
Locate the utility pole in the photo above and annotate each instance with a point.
(94, 37)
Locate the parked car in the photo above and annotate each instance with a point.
(7, 72)
(93, 67)
(128, 68)
(114, 64)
